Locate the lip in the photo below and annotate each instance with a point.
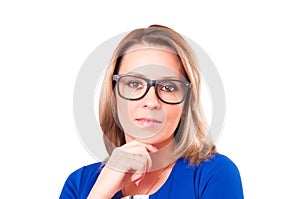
(148, 122)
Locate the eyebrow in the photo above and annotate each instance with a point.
(142, 75)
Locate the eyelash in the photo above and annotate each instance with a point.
(140, 85)
(171, 87)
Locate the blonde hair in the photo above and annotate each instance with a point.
(191, 135)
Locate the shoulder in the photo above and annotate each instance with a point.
(216, 177)
(215, 163)
(221, 178)
(219, 162)
(80, 181)
(86, 172)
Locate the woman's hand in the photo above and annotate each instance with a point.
(128, 162)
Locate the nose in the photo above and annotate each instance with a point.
(151, 101)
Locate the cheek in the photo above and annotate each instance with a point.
(122, 108)
(127, 112)
(174, 112)
(126, 108)
(173, 115)
(123, 115)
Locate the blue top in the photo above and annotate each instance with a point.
(216, 178)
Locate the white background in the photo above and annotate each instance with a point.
(255, 46)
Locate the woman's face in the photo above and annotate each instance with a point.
(148, 119)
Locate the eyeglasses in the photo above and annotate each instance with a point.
(169, 91)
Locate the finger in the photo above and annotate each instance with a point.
(148, 162)
(133, 144)
(140, 172)
(123, 161)
(151, 148)
(144, 162)
(138, 163)
(123, 158)
(137, 178)
(137, 183)
(137, 148)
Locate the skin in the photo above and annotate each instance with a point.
(153, 64)
(139, 116)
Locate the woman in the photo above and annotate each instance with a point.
(154, 129)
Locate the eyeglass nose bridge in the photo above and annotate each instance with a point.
(149, 84)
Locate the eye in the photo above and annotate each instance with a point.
(135, 84)
(169, 87)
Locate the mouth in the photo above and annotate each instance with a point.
(148, 122)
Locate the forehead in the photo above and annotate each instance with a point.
(151, 61)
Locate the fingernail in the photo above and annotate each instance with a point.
(134, 178)
(155, 149)
(137, 183)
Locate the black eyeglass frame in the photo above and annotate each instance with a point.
(150, 83)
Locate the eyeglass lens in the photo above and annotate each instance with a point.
(132, 87)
